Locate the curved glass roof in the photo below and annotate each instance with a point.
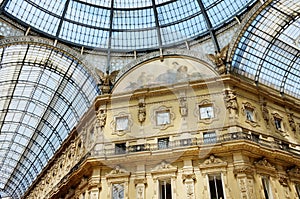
(269, 51)
(44, 93)
(124, 25)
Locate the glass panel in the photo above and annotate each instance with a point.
(39, 106)
(117, 191)
(206, 112)
(121, 123)
(162, 118)
(209, 137)
(163, 143)
(133, 25)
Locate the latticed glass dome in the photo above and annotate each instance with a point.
(45, 90)
(124, 25)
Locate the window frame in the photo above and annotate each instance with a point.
(214, 175)
(205, 107)
(213, 138)
(117, 127)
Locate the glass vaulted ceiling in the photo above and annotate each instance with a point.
(124, 25)
(43, 94)
(269, 50)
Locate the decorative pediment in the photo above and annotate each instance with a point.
(294, 174)
(263, 166)
(117, 172)
(164, 169)
(118, 175)
(213, 162)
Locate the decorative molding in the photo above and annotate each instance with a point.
(263, 166)
(101, 114)
(292, 121)
(219, 59)
(231, 103)
(205, 103)
(142, 111)
(212, 162)
(129, 125)
(162, 109)
(183, 107)
(164, 169)
(118, 175)
(248, 106)
(166, 53)
(243, 169)
(294, 174)
(282, 131)
(265, 113)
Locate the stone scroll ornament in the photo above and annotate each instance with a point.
(219, 59)
(107, 80)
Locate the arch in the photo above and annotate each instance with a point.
(263, 50)
(50, 85)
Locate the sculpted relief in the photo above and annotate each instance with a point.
(171, 71)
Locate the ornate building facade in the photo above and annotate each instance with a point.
(150, 99)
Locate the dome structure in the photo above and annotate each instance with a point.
(46, 87)
(124, 25)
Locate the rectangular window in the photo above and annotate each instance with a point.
(297, 186)
(209, 137)
(277, 122)
(117, 191)
(206, 112)
(162, 118)
(215, 187)
(121, 123)
(267, 189)
(120, 148)
(165, 190)
(186, 142)
(163, 143)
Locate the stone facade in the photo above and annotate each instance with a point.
(239, 145)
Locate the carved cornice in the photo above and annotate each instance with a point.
(294, 174)
(140, 181)
(188, 176)
(164, 169)
(212, 162)
(243, 169)
(263, 166)
(118, 174)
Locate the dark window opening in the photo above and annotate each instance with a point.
(165, 189)
(163, 143)
(277, 122)
(120, 148)
(209, 137)
(215, 187)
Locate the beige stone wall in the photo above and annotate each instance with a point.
(246, 152)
